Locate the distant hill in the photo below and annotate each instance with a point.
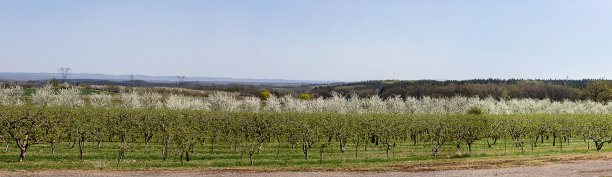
(23, 76)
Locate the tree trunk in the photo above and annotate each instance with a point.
(251, 157)
(470, 147)
(122, 154)
(22, 154)
(561, 143)
(147, 139)
(119, 158)
(7, 146)
(321, 156)
(278, 150)
(191, 147)
(260, 146)
(356, 149)
(81, 149)
(187, 156)
(341, 145)
(235, 147)
(305, 149)
(182, 164)
(212, 147)
(99, 141)
(599, 145)
(434, 151)
(52, 147)
(554, 138)
(393, 150)
(165, 149)
(505, 148)
(388, 147)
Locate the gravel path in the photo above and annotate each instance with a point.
(574, 168)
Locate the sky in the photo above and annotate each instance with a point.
(343, 40)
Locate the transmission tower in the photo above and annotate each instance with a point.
(64, 72)
(180, 79)
(131, 80)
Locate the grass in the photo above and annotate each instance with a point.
(404, 157)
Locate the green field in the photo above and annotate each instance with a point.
(402, 157)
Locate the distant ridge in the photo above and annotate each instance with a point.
(25, 76)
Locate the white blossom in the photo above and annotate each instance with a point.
(338, 103)
(221, 101)
(11, 96)
(70, 98)
(273, 104)
(179, 102)
(250, 104)
(152, 100)
(100, 100)
(46, 96)
(130, 100)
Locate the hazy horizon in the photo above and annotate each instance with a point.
(310, 40)
(191, 78)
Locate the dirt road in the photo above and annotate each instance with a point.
(574, 168)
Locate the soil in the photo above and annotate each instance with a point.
(568, 168)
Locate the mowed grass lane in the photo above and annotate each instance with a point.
(404, 156)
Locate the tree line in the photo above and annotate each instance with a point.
(556, 90)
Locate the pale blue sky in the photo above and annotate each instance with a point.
(311, 39)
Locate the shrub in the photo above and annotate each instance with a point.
(265, 95)
(305, 96)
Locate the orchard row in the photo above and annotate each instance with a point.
(177, 131)
(221, 101)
